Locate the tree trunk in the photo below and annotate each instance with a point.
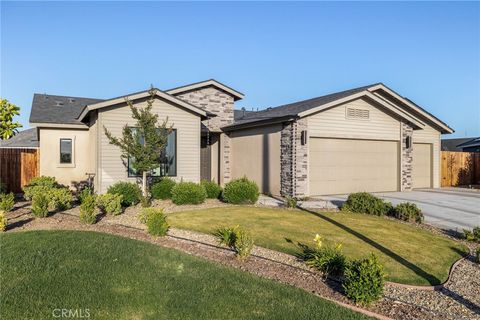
(144, 183)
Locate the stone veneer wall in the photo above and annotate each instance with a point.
(406, 158)
(294, 160)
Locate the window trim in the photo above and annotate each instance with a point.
(129, 175)
(72, 163)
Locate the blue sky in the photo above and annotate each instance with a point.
(273, 52)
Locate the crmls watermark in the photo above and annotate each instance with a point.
(71, 313)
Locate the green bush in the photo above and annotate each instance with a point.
(237, 239)
(3, 220)
(60, 198)
(477, 251)
(88, 213)
(156, 221)
(40, 202)
(364, 280)
(30, 191)
(110, 203)
(408, 211)
(188, 193)
(327, 259)
(364, 202)
(290, 202)
(43, 181)
(146, 202)
(130, 191)
(473, 235)
(83, 194)
(162, 189)
(241, 191)
(213, 189)
(476, 233)
(7, 201)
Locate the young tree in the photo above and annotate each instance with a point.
(144, 143)
(8, 128)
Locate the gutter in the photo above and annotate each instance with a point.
(258, 123)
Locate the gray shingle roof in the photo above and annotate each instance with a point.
(58, 109)
(24, 139)
(455, 144)
(475, 142)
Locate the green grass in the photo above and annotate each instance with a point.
(120, 278)
(409, 255)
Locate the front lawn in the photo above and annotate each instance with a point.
(409, 255)
(120, 278)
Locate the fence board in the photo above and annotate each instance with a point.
(18, 167)
(460, 168)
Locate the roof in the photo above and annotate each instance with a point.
(23, 139)
(475, 142)
(207, 83)
(58, 109)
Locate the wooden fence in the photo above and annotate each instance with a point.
(460, 168)
(17, 167)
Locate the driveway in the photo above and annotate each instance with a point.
(452, 209)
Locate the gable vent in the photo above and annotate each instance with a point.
(58, 103)
(359, 114)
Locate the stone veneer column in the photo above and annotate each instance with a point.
(226, 165)
(294, 160)
(406, 158)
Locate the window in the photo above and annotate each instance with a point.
(66, 151)
(167, 159)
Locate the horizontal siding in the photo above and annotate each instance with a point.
(431, 135)
(111, 167)
(333, 123)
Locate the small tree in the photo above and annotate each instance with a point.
(8, 128)
(143, 144)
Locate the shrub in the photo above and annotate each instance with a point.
(146, 202)
(7, 202)
(408, 212)
(83, 194)
(110, 203)
(213, 189)
(477, 251)
(43, 181)
(156, 221)
(473, 235)
(3, 220)
(364, 280)
(130, 191)
(290, 202)
(237, 239)
(162, 189)
(60, 198)
(40, 203)
(188, 193)
(30, 191)
(88, 214)
(241, 191)
(327, 259)
(476, 233)
(364, 202)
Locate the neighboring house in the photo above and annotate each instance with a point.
(457, 144)
(26, 139)
(364, 139)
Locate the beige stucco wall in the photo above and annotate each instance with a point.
(110, 166)
(432, 136)
(256, 154)
(83, 154)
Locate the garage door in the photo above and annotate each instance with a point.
(340, 166)
(422, 165)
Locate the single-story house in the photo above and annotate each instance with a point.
(461, 144)
(364, 139)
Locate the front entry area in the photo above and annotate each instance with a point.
(340, 166)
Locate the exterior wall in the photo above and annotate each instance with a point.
(406, 159)
(214, 101)
(294, 160)
(256, 154)
(83, 154)
(431, 135)
(110, 166)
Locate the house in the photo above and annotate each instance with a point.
(364, 139)
(456, 144)
(471, 146)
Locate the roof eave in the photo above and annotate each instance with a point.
(211, 82)
(262, 122)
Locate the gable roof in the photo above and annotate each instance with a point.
(475, 142)
(307, 107)
(139, 95)
(53, 109)
(27, 139)
(207, 83)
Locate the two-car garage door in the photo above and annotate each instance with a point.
(339, 166)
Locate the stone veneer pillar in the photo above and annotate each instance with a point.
(294, 160)
(406, 158)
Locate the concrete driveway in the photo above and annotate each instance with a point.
(451, 209)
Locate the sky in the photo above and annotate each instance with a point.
(273, 52)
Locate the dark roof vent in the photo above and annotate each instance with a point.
(71, 100)
(58, 103)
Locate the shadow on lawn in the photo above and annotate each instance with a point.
(419, 271)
